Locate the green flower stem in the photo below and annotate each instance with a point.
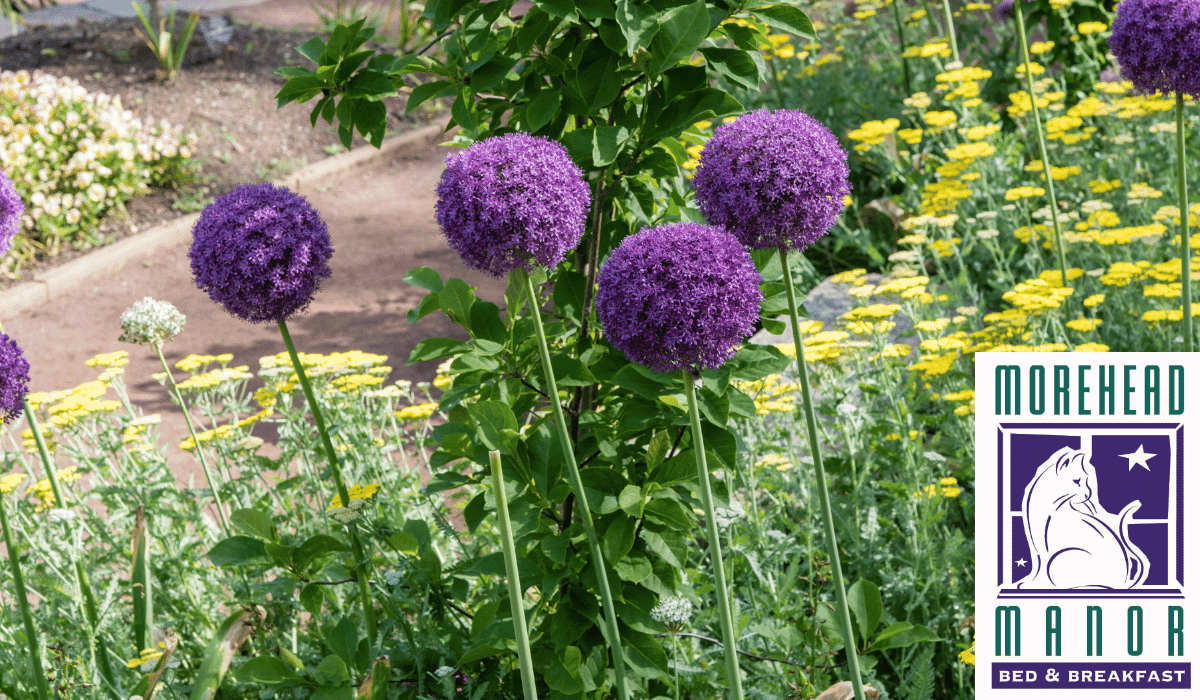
(212, 484)
(1185, 240)
(514, 578)
(814, 444)
(950, 31)
(363, 567)
(88, 602)
(903, 47)
(31, 635)
(729, 636)
(1037, 123)
(585, 513)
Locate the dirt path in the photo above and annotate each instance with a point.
(382, 223)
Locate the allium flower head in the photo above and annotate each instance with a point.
(14, 379)
(150, 322)
(11, 209)
(508, 198)
(1004, 10)
(679, 296)
(260, 251)
(773, 179)
(1157, 44)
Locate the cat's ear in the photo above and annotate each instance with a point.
(1064, 460)
(1079, 461)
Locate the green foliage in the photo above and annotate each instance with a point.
(167, 48)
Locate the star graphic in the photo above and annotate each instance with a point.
(1140, 458)
(1021, 562)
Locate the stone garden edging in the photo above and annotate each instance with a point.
(67, 277)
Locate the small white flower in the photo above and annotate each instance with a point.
(58, 515)
(672, 612)
(150, 321)
(443, 671)
(392, 577)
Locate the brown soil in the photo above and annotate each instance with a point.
(380, 217)
(225, 97)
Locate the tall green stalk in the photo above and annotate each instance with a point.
(362, 569)
(31, 635)
(814, 444)
(903, 47)
(528, 682)
(1037, 123)
(585, 513)
(187, 418)
(88, 602)
(1185, 240)
(950, 30)
(728, 634)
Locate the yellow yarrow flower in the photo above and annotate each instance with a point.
(1091, 347)
(968, 656)
(119, 358)
(1083, 325)
(416, 412)
(11, 481)
(778, 461)
(358, 493)
(1091, 27)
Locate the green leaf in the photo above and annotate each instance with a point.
(312, 596)
(316, 547)
(312, 49)
(487, 328)
(645, 655)
(253, 522)
(631, 500)
(564, 676)
(596, 78)
(456, 300)
(670, 511)
(867, 605)
(787, 18)
(491, 418)
(691, 107)
(489, 75)
(428, 304)
(332, 671)
(608, 143)
(681, 30)
(370, 85)
(343, 639)
(427, 91)
(656, 451)
(436, 349)
(634, 568)
(238, 550)
(570, 372)
(266, 669)
(734, 64)
(903, 638)
(463, 111)
(404, 542)
(482, 651)
(619, 537)
(637, 23)
(541, 109)
(558, 8)
(425, 278)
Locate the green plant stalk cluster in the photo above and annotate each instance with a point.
(363, 562)
(814, 444)
(1185, 239)
(585, 513)
(728, 631)
(528, 681)
(32, 638)
(1037, 124)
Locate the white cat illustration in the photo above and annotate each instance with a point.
(1073, 541)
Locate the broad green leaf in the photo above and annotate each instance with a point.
(492, 417)
(681, 30)
(456, 300)
(691, 107)
(645, 655)
(463, 113)
(608, 143)
(426, 92)
(596, 79)
(482, 651)
(404, 542)
(312, 596)
(558, 8)
(487, 328)
(489, 75)
(437, 348)
(238, 550)
(266, 669)
(634, 568)
(631, 500)
(428, 304)
(867, 605)
(316, 547)
(312, 49)
(734, 64)
(570, 372)
(332, 671)
(903, 638)
(342, 639)
(656, 451)
(619, 537)
(253, 522)
(564, 676)
(370, 85)
(637, 23)
(541, 109)
(671, 512)
(787, 18)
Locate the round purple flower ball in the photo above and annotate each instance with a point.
(773, 179)
(1004, 10)
(679, 296)
(14, 379)
(510, 198)
(11, 209)
(1157, 44)
(260, 251)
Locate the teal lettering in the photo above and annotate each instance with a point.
(1108, 389)
(1062, 390)
(1151, 389)
(1175, 387)
(1083, 389)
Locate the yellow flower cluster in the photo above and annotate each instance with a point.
(75, 404)
(776, 461)
(416, 412)
(1170, 213)
(947, 487)
(359, 493)
(11, 481)
(191, 363)
(967, 395)
(1036, 296)
(44, 492)
(119, 358)
(215, 378)
(943, 196)
(353, 383)
(771, 394)
(873, 132)
(1025, 191)
(930, 49)
(968, 656)
(148, 656)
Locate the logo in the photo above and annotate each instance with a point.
(1083, 527)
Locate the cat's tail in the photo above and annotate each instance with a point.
(1139, 567)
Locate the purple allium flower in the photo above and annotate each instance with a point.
(773, 179)
(508, 198)
(14, 379)
(1004, 10)
(1157, 44)
(679, 296)
(11, 209)
(260, 251)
